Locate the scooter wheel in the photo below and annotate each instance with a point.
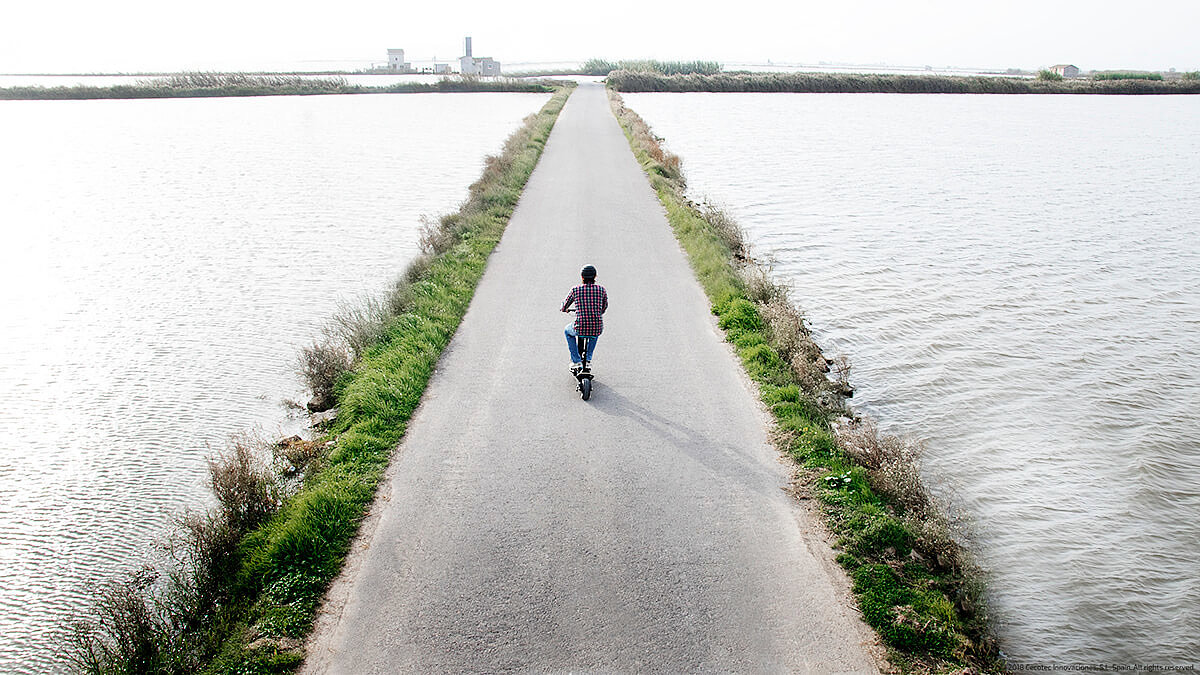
(585, 388)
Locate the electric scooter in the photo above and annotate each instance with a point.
(584, 372)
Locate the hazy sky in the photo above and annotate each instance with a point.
(140, 35)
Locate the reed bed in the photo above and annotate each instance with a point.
(604, 67)
(208, 80)
(916, 585)
(203, 85)
(1126, 75)
(837, 83)
(671, 67)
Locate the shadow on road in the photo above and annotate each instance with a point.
(727, 462)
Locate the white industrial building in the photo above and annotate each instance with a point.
(396, 61)
(477, 65)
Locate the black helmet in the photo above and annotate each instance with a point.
(588, 272)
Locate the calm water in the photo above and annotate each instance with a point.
(162, 264)
(1017, 282)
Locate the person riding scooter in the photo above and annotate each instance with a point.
(591, 301)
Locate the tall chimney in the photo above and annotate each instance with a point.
(468, 46)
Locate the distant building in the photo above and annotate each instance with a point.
(477, 65)
(441, 68)
(1065, 70)
(396, 61)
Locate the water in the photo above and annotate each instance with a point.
(1017, 282)
(163, 262)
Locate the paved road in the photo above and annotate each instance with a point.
(645, 530)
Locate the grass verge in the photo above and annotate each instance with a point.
(836, 83)
(243, 582)
(209, 85)
(916, 586)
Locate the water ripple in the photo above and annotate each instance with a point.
(1022, 293)
(163, 263)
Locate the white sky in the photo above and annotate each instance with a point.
(142, 35)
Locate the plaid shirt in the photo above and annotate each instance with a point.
(590, 302)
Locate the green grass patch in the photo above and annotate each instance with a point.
(913, 584)
(255, 615)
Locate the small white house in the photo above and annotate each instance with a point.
(479, 65)
(1065, 70)
(396, 61)
(469, 64)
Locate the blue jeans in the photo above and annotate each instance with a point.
(574, 347)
